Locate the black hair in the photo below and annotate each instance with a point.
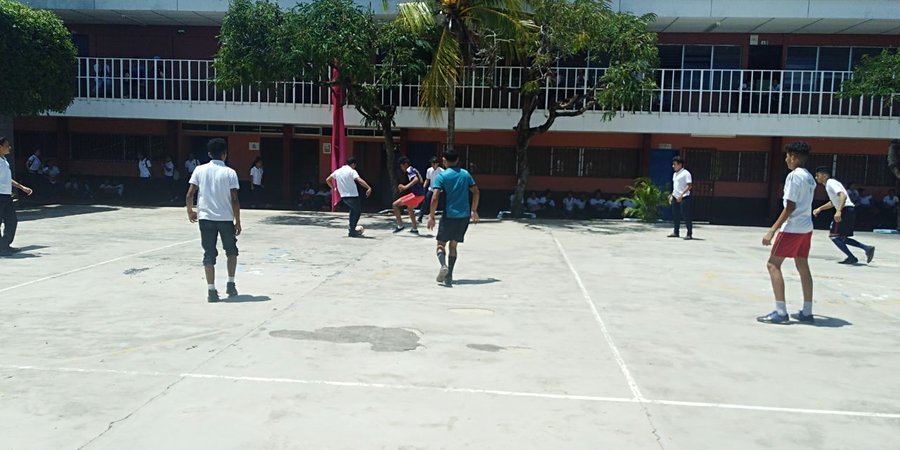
(217, 147)
(350, 161)
(824, 169)
(433, 160)
(403, 160)
(3, 140)
(799, 149)
(450, 155)
(678, 159)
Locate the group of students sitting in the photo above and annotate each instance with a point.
(312, 199)
(573, 205)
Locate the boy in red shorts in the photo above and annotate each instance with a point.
(411, 194)
(795, 225)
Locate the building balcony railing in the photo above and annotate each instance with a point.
(679, 91)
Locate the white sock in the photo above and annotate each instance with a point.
(807, 307)
(231, 279)
(211, 287)
(781, 307)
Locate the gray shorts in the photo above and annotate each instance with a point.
(210, 230)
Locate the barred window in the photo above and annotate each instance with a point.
(491, 160)
(868, 170)
(565, 161)
(740, 166)
(539, 161)
(114, 147)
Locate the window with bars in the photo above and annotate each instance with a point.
(539, 161)
(114, 147)
(739, 166)
(491, 160)
(867, 170)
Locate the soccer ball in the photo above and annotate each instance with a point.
(360, 230)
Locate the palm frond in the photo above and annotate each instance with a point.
(418, 17)
(439, 85)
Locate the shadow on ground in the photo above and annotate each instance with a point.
(36, 212)
(243, 298)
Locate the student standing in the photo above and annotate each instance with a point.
(430, 175)
(415, 193)
(344, 180)
(456, 184)
(7, 207)
(795, 225)
(256, 183)
(219, 213)
(844, 216)
(680, 198)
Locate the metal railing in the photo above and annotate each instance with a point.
(679, 91)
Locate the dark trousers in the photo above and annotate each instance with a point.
(425, 207)
(355, 206)
(9, 219)
(682, 211)
(258, 194)
(210, 231)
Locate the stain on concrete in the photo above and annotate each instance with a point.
(135, 271)
(381, 339)
(486, 347)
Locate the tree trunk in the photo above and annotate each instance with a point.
(6, 130)
(387, 132)
(523, 139)
(451, 122)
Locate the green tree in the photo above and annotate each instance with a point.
(581, 27)
(465, 27)
(262, 45)
(878, 76)
(39, 65)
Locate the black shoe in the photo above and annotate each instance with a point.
(6, 252)
(849, 261)
(803, 318)
(231, 290)
(398, 228)
(212, 295)
(688, 238)
(448, 281)
(870, 254)
(414, 231)
(14, 249)
(353, 234)
(673, 235)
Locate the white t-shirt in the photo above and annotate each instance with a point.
(5, 177)
(346, 181)
(169, 169)
(34, 164)
(215, 181)
(432, 173)
(53, 173)
(594, 201)
(799, 187)
(866, 200)
(569, 203)
(144, 167)
(890, 201)
(256, 175)
(191, 165)
(579, 203)
(833, 188)
(680, 181)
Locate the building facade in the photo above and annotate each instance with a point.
(737, 81)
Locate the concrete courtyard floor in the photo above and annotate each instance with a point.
(557, 335)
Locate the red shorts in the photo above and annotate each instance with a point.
(412, 200)
(792, 245)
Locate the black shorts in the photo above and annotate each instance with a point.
(452, 229)
(210, 230)
(848, 222)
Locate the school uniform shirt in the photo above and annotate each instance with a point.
(144, 168)
(53, 174)
(346, 181)
(191, 165)
(833, 188)
(890, 201)
(431, 174)
(680, 181)
(215, 181)
(579, 203)
(455, 182)
(569, 203)
(34, 164)
(256, 175)
(595, 202)
(5, 177)
(169, 169)
(799, 187)
(416, 189)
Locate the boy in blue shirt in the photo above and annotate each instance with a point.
(456, 183)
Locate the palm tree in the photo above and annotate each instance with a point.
(465, 25)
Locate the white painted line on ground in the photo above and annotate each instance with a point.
(503, 393)
(50, 277)
(635, 390)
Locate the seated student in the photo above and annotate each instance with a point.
(118, 187)
(323, 198)
(615, 208)
(547, 202)
(532, 203)
(53, 173)
(307, 197)
(597, 204)
(569, 205)
(890, 200)
(581, 206)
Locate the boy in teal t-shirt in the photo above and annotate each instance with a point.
(456, 183)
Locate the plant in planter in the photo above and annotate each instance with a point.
(647, 198)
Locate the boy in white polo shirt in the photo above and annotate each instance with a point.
(7, 207)
(680, 199)
(344, 180)
(219, 213)
(844, 216)
(796, 226)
